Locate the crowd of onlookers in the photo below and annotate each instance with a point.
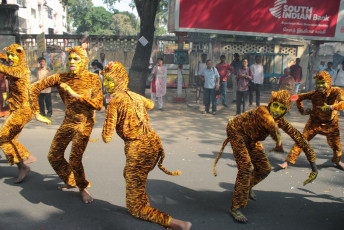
(247, 79)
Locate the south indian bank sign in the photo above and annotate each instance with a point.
(282, 9)
(306, 19)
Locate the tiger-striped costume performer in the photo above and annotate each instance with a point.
(81, 93)
(248, 150)
(326, 101)
(18, 75)
(127, 113)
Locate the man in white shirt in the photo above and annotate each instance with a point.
(103, 60)
(338, 78)
(211, 83)
(257, 71)
(44, 97)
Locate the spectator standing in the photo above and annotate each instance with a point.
(211, 83)
(338, 78)
(44, 98)
(329, 69)
(103, 60)
(96, 68)
(236, 65)
(296, 72)
(321, 67)
(243, 78)
(198, 79)
(287, 82)
(224, 70)
(257, 71)
(158, 85)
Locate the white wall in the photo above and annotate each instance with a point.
(42, 23)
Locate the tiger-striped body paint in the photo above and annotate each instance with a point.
(79, 118)
(126, 113)
(322, 122)
(245, 133)
(19, 103)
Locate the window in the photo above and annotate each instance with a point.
(50, 12)
(33, 13)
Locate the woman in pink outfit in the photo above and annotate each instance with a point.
(158, 86)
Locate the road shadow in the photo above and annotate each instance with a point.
(206, 209)
(273, 210)
(71, 213)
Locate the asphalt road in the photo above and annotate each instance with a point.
(191, 141)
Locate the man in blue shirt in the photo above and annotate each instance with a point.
(329, 69)
(211, 83)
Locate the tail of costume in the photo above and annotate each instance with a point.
(162, 168)
(219, 155)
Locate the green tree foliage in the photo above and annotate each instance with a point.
(147, 10)
(161, 17)
(124, 24)
(97, 20)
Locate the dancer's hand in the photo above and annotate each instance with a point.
(325, 107)
(69, 90)
(43, 119)
(284, 165)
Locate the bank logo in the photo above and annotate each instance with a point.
(276, 11)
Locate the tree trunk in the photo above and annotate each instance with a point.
(139, 68)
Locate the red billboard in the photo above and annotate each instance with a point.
(310, 19)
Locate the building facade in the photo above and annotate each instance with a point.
(37, 16)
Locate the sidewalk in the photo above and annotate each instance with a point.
(190, 102)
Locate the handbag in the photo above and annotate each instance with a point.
(150, 77)
(217, 92)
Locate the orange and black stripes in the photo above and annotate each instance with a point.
(322, 122)
(248, 150)
(78, 122)
(20, 110)
(126, 113)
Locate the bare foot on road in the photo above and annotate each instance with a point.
(23, 171)
(284, 165)
(86, 197)
(180, 225)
